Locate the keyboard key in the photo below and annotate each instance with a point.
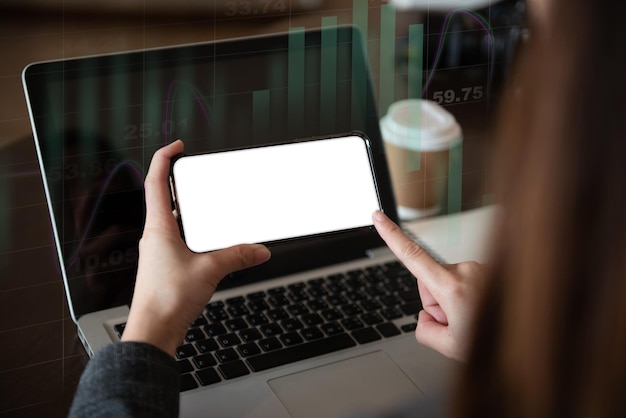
(352, 310)
(277, 290)
(237, 300)
(300, 352)
(352, 323)
(291, 324)
(270, 330)
(312, 319)
(371, 318)
(373, 269)
(370, 305)
(317, 291)
(375, 291)
(388, 329)
(369, 277)
(200, 321)
(298, 295)
(336, 288)
(336, 300)
(236, 324)
(185, 350)
(208, 376)
(409, 295)
(296, 286)
(332, 328)
(311, 333)
(317, 305)
(332, 314)
(270, 344)
(258, 305)
(411, 308)
(316, 282)
(394, 286)
(216, 304)
(229, 340)
(187, 382)
(358, 273)
(336, 278)
(194, 334)
(184, 366)
(205, 360)
(207, 345)
(390, 300)
(355, 283)
(213, 330)
(297, 309)
(409, 327)
(277, 314)
(257, 319)
(291, 338)
(393, 266)
(249, 349)
(278, 300)
(365, 335)
(410, 282)
(391, 313)
(356, 295)
(217, 314)
(226, 355)
(250, 334)
(237, 310)
(234, 369)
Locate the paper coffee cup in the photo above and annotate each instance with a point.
(418, 136)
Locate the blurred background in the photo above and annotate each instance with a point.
(461, 45)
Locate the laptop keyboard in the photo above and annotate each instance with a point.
(282, 325)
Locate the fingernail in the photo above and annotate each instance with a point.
(378, 215)
(261, 254)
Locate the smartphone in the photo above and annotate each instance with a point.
(273, 193)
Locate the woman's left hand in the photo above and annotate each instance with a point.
(174, 284)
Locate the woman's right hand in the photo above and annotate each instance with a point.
(449, 292)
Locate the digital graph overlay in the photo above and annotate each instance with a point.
(261, 100)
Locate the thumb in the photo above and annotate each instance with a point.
(235, 258)
(432, 334)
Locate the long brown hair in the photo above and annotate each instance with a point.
(550, 333)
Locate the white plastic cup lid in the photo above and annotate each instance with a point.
(420, 125)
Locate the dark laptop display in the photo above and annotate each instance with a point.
(98, 120)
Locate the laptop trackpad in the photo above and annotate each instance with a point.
(368, 383)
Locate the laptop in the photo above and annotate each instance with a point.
(326, 327)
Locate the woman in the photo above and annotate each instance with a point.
(545, 335)
(550, 332)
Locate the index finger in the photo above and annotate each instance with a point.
(425, 268)
(158, 200)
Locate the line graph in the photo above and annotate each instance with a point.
(137, 170)
(172, 90)
(484, 25)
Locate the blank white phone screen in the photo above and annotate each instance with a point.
(275, 192)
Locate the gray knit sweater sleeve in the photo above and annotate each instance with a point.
(128, 380)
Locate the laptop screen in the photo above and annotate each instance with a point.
(98, 121)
